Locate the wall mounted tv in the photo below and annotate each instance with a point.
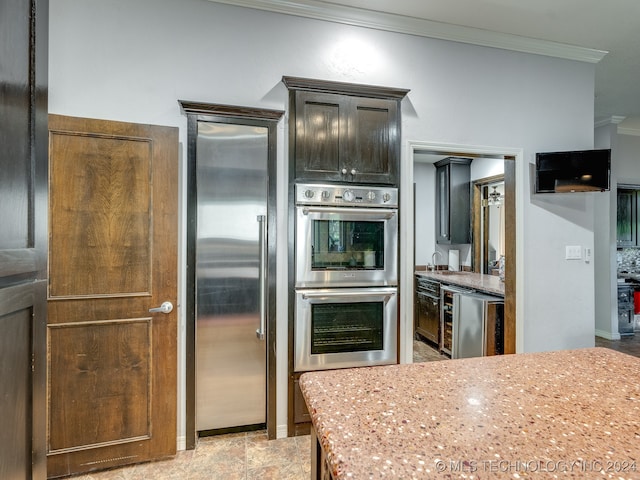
(574, 171)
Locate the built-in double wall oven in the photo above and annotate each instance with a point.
(346, 262)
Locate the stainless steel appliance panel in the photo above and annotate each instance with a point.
(345, 327)
(230, 262)
(346, 246)
(470, 316)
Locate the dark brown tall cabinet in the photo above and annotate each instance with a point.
(342, 132)
(339, 133)
(23, 238)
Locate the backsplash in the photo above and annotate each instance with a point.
(628, 260)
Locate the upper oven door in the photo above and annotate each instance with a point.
(345, 247)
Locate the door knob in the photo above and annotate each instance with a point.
(166, 307)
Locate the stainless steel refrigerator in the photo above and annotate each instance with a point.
(230, 275)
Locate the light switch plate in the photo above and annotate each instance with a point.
(573, 252)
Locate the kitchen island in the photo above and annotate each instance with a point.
(572, 413)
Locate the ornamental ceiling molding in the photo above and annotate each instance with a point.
(425, 28)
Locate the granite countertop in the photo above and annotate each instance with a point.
(572, 413)
(477, 281)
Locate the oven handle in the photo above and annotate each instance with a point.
(372, 212)
(328, 296)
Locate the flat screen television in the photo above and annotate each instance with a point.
(573, 171)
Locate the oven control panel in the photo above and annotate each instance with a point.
(346, 195)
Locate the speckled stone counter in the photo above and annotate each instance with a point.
(486, 283)
(573, 413)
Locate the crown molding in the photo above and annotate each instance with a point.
(612, 120)
(425, 28)
(629, 131)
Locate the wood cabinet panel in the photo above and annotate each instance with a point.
(300, 411)
(428, 318)
(453, 201)
(374, 155)
(24, 29)
(320, 128)
(344, 132)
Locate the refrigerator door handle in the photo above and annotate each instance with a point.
(262, 274)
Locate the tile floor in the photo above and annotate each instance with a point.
(236, 456)
(627, 344)
(250, 456)
(423, 352)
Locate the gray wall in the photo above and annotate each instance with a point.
(131, 60)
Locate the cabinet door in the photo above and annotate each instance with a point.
(453, 201)
(442, 205)
(373, 141)
(626, 233)
(459, 203)
(428, 322)
(320, 126)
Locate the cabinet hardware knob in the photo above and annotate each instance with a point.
(344, 171)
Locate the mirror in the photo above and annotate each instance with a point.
(493, 221)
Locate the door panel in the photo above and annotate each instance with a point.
(93, 349)
(113, 256)
(23, 237)
(100, 220)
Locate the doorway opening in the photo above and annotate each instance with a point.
(488, 225)
(413, 231)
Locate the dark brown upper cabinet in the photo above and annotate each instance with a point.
(453, 201)
(343, 132)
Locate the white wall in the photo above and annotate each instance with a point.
(625, 169)
(425, 213)
(486, 167)
(627, 160)
(131, 60)
(605, 294)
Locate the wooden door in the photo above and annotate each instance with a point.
(23, 238)
(113, 256)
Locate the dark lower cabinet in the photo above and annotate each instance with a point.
(300, 413)
(428, 318)
(427, 309)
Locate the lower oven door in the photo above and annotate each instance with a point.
(345, 327)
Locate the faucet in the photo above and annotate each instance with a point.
(433, 258)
